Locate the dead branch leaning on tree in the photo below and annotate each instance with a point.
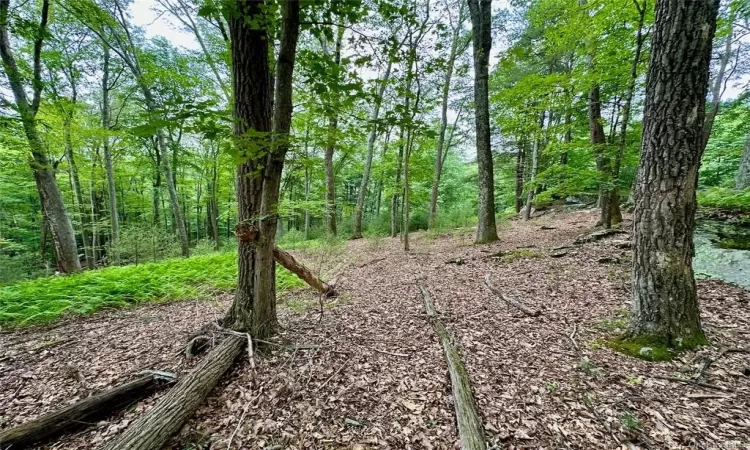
(83, 411)
(470, 429)
(521, 307)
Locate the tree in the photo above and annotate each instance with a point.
(743, 173)
(665, 304)
(481, 22)
(53, 207)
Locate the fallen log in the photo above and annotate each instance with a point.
(520, 306)
(84, 411)
(154, 429)
(288, 262)
(470, 429)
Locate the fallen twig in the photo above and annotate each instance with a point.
(520, 306)
(372, 261)
(334, 374)
(573, 337)
(390, 353)
(693, 382)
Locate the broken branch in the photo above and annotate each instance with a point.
(510, 301)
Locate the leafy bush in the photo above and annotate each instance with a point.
(46, 299)
(716, 197)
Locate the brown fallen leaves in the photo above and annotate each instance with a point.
(371, 375)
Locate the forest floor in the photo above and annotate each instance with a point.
(377, 378)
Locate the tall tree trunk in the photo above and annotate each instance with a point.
(370, 148)
(743, 173)
(603, 163)
(53, 207)
(439, 157)
(76, 183)
(665, 305)
(520, 156)
(532, 177)
(396, 197)
(616, 214)
(259, 179)
(333, 121)
(535, 151)
(113, 215)
(481, 20)
(717, 90)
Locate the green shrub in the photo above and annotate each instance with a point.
(725, 198)
(47, 299)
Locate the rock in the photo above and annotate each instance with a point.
(608, 260)
(558, 253)
(597, 235)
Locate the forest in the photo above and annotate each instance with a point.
(361, 224)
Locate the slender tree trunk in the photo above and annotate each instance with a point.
(616, 214)
(439, 158)
(370, 149)
(743, 173)
(532, 177)
(113, 215)
(520, 157)
(331, 176)
(665, 305)
(76, 182)
(603, 163)
(536, 150)
(717, 90)
(53, 207)
(481, 20)
(395, 198)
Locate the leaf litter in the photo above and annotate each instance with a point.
(369, 372)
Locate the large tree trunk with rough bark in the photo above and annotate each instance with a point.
(481, 22)
(665, 304)
(53, 207)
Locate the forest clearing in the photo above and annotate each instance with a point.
(374, 224)
(369, 372)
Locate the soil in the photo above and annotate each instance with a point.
(366, 370)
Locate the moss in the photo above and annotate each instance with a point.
(641, 348)
(654, 348)
(735, 243)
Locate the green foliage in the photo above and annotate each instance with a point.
(724, 198)
(47, 299)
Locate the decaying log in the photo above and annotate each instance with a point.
(521, 307)
(470, 429)
(154, 429)
(84, 411)
(287, 260)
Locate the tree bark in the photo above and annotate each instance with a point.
(81, 412)
(395, 198)
(333, 121)
(717, 90)
(370, 148)
(481, 20)
(603, 163)
(113, 214)
(743, 173)
(440, 150)
(665, 305)
(291, 264)
(616, 214)
(520, 169)
(154, 429)
(470, 428)
(53, 207)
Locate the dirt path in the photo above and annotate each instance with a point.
(369, 373)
